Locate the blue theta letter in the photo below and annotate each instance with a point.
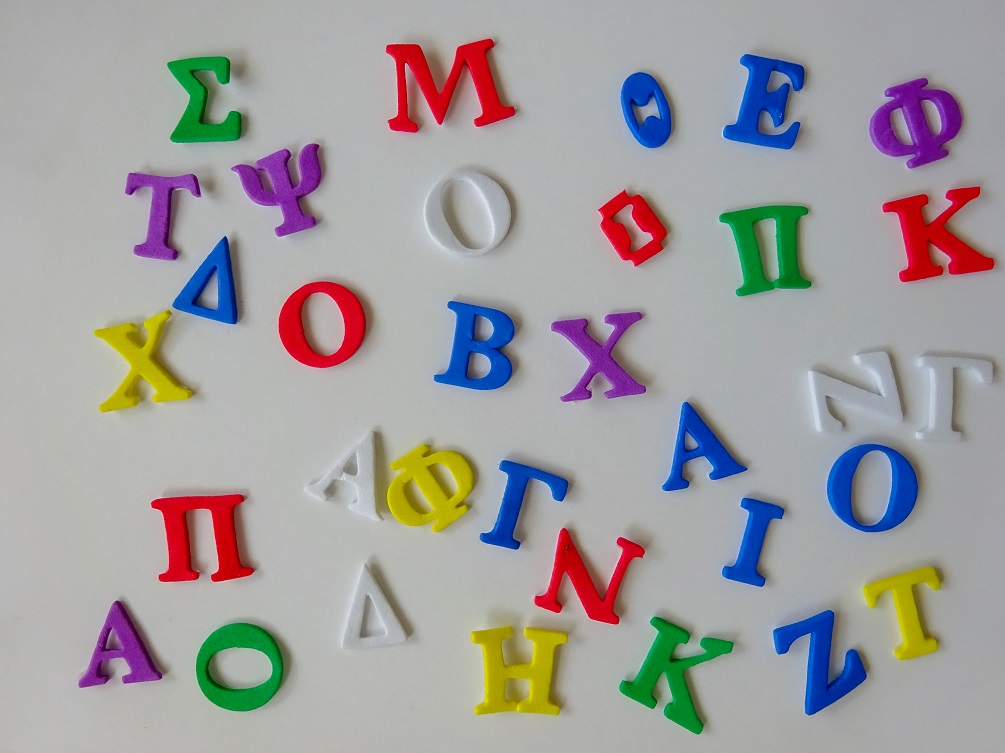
(465, 344)
(757, 99)
(759, 514)
(518, 476)
(637, 90)
(819, 692)
(707, 445)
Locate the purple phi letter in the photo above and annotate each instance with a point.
(284, 194)
(156, 245)
(925, 146)
(599, 356)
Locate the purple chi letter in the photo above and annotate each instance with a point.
(925, 146)
(284, 194)
(599, 356)
(156, 245)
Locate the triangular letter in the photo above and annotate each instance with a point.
(218, 261)
(394, 631)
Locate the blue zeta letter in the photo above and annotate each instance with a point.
(707, 446)
(217, 262)
(757, 99)
(637, 90)
(819, 692)
(518, 476)
(759, 514)
(465, 344)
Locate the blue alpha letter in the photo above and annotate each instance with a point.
(707, 445)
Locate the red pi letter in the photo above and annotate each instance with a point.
(472, 55)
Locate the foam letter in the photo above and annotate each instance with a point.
(473, 57)
(903, 490)
(646, 220)
(537, 673)
(158, 227)
(465, 345)
(221, 507)
(218, 263)
(191, 128)
(884, 403)
(239, 635)
(443, 510)
(820, 691)
(599, 356)
(707, 445)
(362, 481)
(914, 642)
(291, 324)
(497, 205)
(918, 234)
(786, 247)
(759, 515)
(941, 388)
(568, 562)
(140, 357)
(131, 649)
(283, 193)
(660, 662)
(517, 478)
(367, 588)
(757, 98)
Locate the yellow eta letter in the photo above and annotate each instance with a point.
(537, 673)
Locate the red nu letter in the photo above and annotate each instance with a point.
(568, 562)
(221, 507)
(471, 55)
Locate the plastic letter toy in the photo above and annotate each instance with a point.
(914, 642)
(131, 649)
(361, 454)
(884, 403)
(283, 193)
(140, 357)
(291, 324)
(472, 56)
(218, 263)
(415, 466)
(239, 635)
(569, 562)
(759, 515)
(637, 90)
(191, 127)
(707, 445)
(518, 476)
(925, 145)
(919, 235)
(159, 225)
(757, 98)
(821, 692)
(660, 662)
(644, 217)
(367, 589)
(537, 672)
(786, 247)
(941, 388)
(465, 345)
(600, 356)
(903, 491)
(222, 508)
(497, 205)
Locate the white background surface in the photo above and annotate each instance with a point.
(88, 99)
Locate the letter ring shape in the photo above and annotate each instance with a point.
(496, 202)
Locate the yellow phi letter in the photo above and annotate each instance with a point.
(414, 466)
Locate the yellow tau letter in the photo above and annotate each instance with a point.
(414, 466)
(537, 673)
(140, 357)
(914, 641)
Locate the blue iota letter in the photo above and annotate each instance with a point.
(465, 344)
(757, 98)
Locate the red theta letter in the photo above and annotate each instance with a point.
(291, 324)
(472, 55)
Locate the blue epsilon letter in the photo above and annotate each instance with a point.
(759, 514)
(637, 90)
(500, 368)
(707, 446)
(518, 476)
(757, 99)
